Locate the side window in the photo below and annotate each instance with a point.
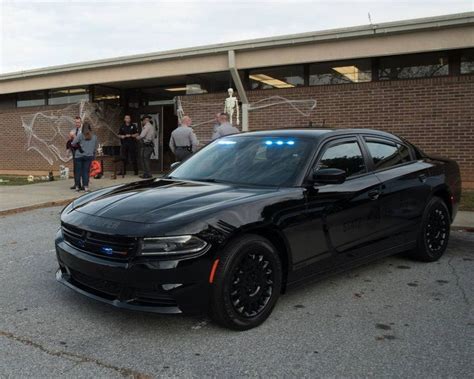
(404, 153)
(346, 156)
(386, 154)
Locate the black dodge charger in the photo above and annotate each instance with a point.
(228, 230)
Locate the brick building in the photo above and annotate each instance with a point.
(414, 78)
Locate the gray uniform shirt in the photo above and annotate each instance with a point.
(223, 130)
(148, 133)
(183, 136)
(88, 146)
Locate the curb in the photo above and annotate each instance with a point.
(469, 229)
(48, 204)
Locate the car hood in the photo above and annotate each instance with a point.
(155, 201)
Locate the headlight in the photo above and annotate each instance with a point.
(172, 245)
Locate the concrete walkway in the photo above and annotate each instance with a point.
(464, 220)
(15, 199)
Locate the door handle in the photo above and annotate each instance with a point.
(374, 194)
(422, 178)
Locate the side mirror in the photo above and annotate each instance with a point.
(175, 165)
(329, 176)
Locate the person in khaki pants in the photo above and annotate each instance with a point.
(146, 137)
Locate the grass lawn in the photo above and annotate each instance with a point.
(467, 201)
(13, 180)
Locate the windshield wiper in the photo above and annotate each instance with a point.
(207, 180)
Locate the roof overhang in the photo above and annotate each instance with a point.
(401, 37)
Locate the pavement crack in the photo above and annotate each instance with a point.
(126, 372)
(458, 285)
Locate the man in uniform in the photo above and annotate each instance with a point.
(183, 141)
(72, 134)
(225, 128)
(146, 136)
(128, 134)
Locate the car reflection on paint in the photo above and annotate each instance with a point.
(228, 230)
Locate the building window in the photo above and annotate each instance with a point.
(106, 94)
(68, 95)
(31, 99)
(413, 66)
(354, 71)
(467, 62)
(277, 77)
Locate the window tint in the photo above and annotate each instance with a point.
(346, 156)
(253, 160)
(68, 95)
(277, 77)
(355, 71)
(385, 155)
(413, 66)
(31, 99)
(467, 62)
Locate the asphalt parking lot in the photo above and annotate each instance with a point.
(393, 318)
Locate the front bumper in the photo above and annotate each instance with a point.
(145, 284)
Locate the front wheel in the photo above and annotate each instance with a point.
(434, 234)
(247, 283)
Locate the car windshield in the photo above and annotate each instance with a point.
(252, 160)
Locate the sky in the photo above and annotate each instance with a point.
(38, 34)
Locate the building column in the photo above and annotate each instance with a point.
(240, 89)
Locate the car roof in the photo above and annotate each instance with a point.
(317, 133)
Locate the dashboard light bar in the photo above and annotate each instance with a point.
(279, 142)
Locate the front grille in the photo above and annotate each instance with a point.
(113, 290)
(103, 245)
(100, 285)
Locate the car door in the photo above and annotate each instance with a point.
(405, 190)
(348, 212)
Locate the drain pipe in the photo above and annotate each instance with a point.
(241, 90)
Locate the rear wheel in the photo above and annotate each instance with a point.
(434, 234)
(247, 283)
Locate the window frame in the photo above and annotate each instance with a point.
(384, 140)
(338, 140)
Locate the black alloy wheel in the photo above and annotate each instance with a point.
(435, 230)
(247, 283)
(252, 283)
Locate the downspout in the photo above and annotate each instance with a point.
(241, 90)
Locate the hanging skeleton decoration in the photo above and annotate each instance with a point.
(231, 105)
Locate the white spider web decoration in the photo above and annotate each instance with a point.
(47, 134)
(303, 107)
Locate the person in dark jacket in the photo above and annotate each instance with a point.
(86, 141)
(72, 134)
(128, 133)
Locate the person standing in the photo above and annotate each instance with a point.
(225, 128)
(216, 125)
(72, 134)
(87, 146)
(128, 134)
(183, 141)
(146, 137)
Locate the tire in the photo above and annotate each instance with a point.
(247, 283)
(434, 233)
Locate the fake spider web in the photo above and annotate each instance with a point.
(303, 107)
(47, 132)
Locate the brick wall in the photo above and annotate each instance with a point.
(436, 114)
(44, 147)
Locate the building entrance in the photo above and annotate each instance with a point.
(165, 121)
